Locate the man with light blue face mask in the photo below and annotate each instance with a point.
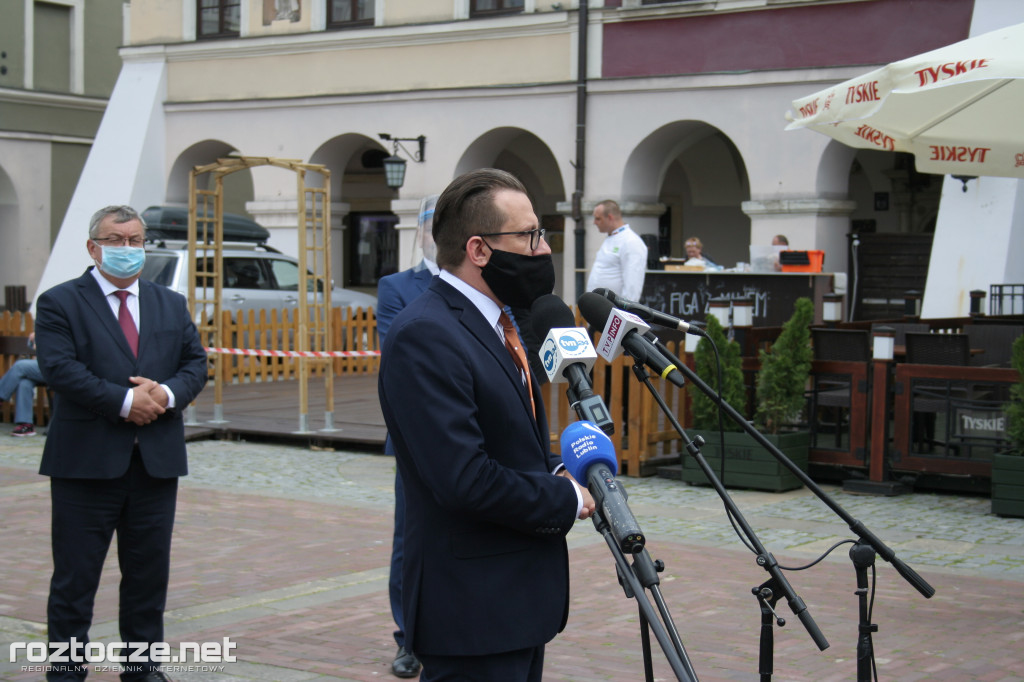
(123, 359)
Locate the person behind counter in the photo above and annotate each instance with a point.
(779, 240)
(695, 249)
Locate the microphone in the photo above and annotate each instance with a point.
(588, 454)
(649, 314)
(625, 332)
(568, 355)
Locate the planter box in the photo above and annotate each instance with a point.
(747, 463)
(1008, 485)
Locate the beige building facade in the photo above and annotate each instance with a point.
(58, 65)
(683, 121)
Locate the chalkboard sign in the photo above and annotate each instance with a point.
(686, 295)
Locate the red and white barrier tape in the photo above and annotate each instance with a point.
(295, 353)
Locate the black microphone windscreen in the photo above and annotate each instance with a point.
(610, 295)
(595, 309)
(550, 312)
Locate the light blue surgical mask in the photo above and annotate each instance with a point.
(122, 262)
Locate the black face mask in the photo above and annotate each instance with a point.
(518, 280)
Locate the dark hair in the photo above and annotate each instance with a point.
(466, 208)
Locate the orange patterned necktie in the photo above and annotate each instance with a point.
(518, 353)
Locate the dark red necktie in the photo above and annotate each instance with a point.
(124, 318)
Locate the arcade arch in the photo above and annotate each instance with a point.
(891, 195)
(238, 187)
(530, 159)
(364, 240)
(884, 244)
(697, 173)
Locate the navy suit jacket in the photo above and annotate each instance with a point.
(394, 292)
(486, 568)
(86, 361)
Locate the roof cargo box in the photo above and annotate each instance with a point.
(171, 222)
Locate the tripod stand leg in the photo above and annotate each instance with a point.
(766, 661)
(645, 640)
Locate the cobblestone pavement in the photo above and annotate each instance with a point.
(285, 551)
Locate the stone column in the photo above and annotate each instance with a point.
(280, 216)
(408, 212)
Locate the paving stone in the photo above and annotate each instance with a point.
(285, 551)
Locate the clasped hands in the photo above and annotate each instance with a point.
(149, 401)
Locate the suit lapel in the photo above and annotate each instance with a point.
(147, 304)
(475, 323)
(97, 302)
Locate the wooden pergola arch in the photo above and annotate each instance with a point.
(205, 262)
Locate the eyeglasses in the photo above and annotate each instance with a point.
(535, 236)
(120, 241)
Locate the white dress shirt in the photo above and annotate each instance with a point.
(109, 291)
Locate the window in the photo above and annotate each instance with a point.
(373, 247)
(481, 8)
(342, 13)
(52, 47)
(217, 18)
(245, 273)
(286, 273)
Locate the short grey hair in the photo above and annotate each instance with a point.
(609, 207)
(122, 214)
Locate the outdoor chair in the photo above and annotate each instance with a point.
(932, 397)
(994, 341)
(834, 391)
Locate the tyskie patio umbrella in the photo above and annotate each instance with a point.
(958, 109)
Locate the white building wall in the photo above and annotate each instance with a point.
(979, 234)
(797, 183)
(24, 209)
(125, 166)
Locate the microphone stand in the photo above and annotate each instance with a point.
(861, 556)
(764, 557)
(635, 579)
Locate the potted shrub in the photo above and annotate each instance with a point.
(1008, 466)
(781, 385)
(705, 409)
(785, 369)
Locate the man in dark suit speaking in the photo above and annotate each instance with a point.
(123, 358)
(486, 570)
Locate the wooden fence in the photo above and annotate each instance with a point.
(261, 330)
(643, 435)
